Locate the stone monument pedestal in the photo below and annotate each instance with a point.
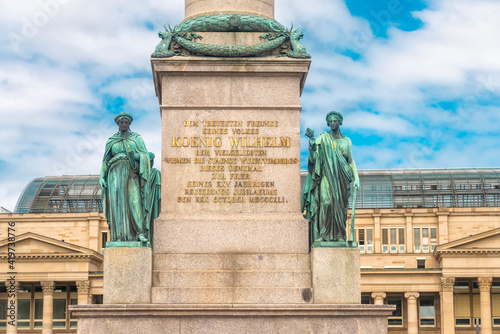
(231, 247)
(232, 318)
(336, 275)
(127, 275)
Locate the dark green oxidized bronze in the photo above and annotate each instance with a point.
(184, 36)
(230, 23)
(325, 196)
(130, 187)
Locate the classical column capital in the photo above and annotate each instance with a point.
(13, 285)
(83, 287)
(484, 283)
(48, 286)
(412, 295)
(379, 295)
(447, 283)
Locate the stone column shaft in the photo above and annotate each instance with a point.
(378, 298)
(447, 309)
(48, 306)
(12, 291)
(485, 302)
(412, 312)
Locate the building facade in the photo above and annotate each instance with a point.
(429, 243)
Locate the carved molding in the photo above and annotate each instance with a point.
(447, 283)
(484, 283)
(379, 295)
(412, 295)
(48, 287)
(83, 287)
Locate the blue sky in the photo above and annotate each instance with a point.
(418, 82)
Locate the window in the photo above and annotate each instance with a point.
(24, 307)
(424, 239)
(427, 311)
(393, 239)
(421, 262)
(396, 319)
(365, 239)
(365, 299)
(385, 240)
(495, 303)
(462, 309)
(104, 239)
(38, 307)
(3, 307)
(30, 307)
(464, 306)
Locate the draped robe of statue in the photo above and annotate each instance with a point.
(131, 199)
(325, 197)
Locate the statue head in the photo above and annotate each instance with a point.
(334, 114)
(122, 115)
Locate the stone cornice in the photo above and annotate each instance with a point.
(94, 258)
(484, 251)
(52, 217)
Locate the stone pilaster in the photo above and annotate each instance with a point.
(443, 225)
(412, 312)
(377, 240)
(447, 310)
(48, 304)
(485, 302)
(409, 232)
(83, 288)
(12, 291)
(378, 298)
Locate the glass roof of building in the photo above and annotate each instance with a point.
(402, 188)
(77, 193)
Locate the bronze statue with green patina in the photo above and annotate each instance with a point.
(184, 37)
(325, 197)
(130, 187)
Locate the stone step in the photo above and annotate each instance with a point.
(231, 261)
(236, 295)
(232, 278)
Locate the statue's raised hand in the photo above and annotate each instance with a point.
(310, 133)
